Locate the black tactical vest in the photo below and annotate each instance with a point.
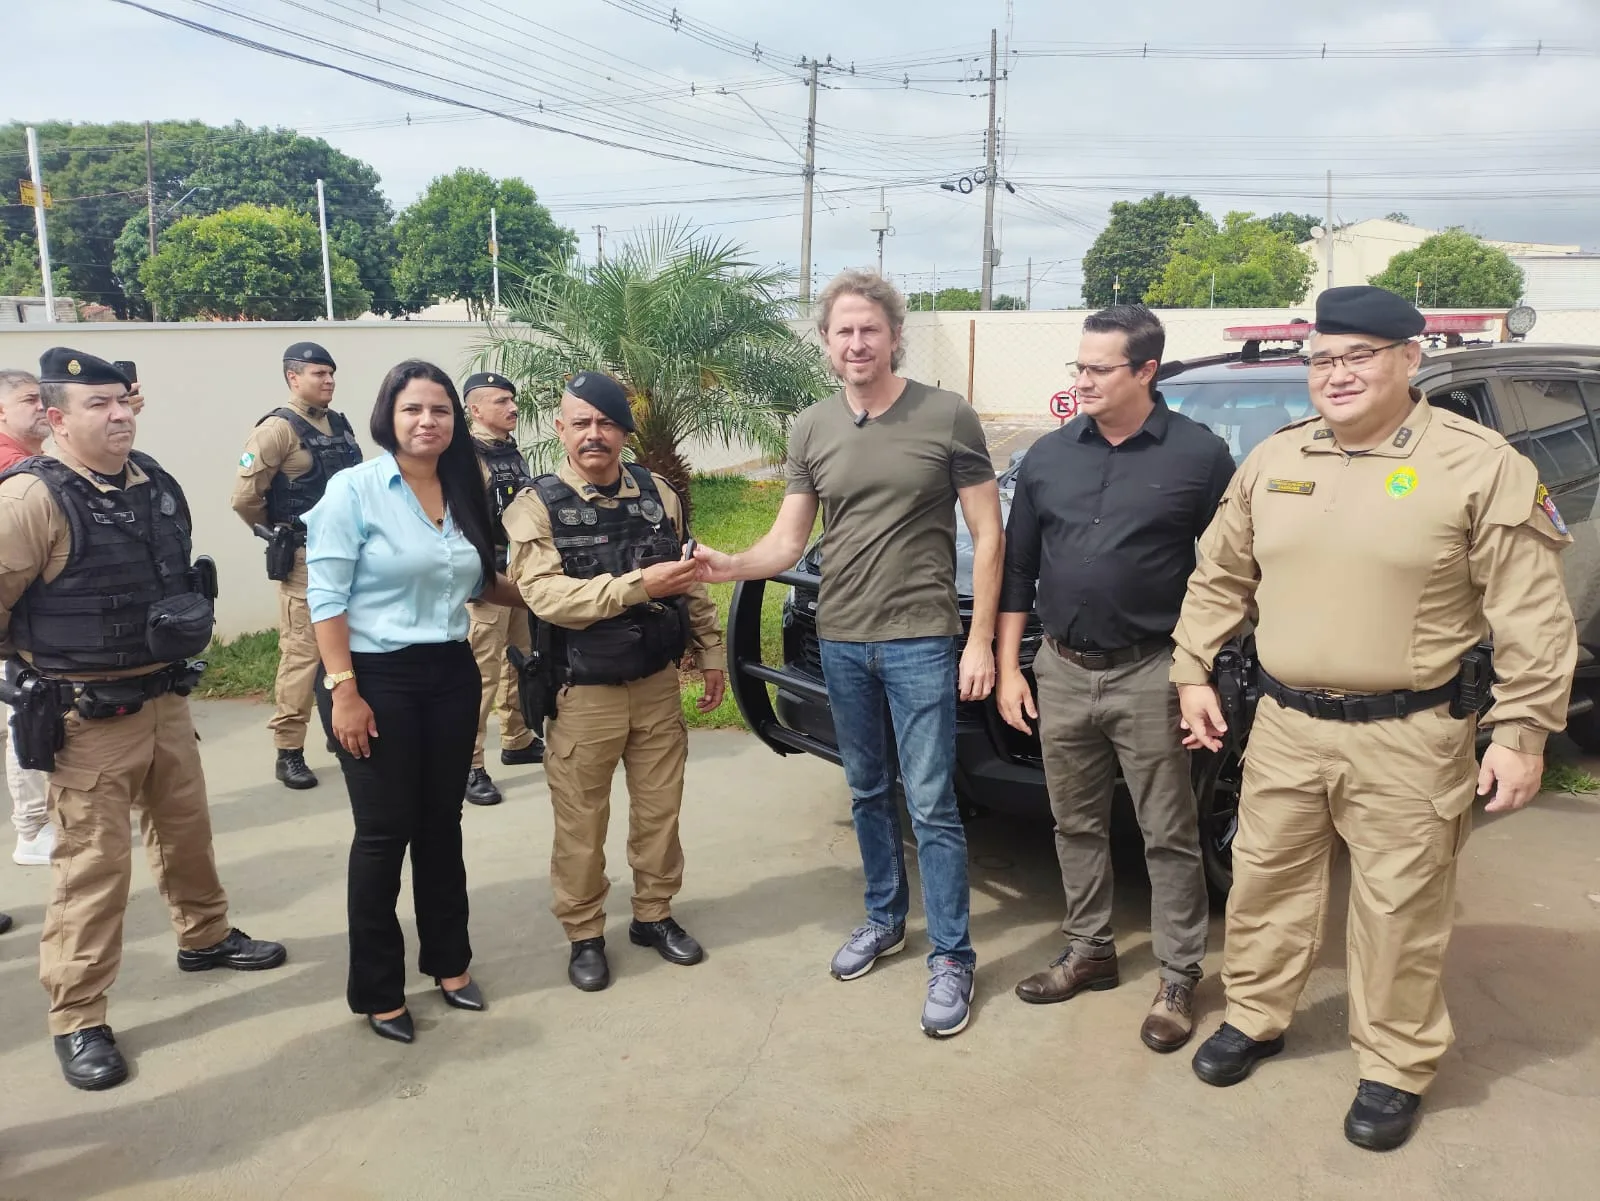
(290, 500)
(595, 540)
(508, 475)
(129, 549)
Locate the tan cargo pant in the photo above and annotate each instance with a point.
(642, 725)
(493, 628)
(1399, 794)
(148, 761)
(294, 691)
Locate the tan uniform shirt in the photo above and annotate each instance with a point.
(556, 597)
(1376, 572)
(36, 541)
(273, 446)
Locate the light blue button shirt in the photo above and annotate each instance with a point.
(372, 553)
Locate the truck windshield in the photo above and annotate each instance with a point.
(1242, 412)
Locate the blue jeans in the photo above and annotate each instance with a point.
(904, 688)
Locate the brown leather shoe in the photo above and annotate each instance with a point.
(1171, 1020)
(1068, 975)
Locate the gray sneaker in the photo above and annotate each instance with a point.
(949, 1003)
(865, 946)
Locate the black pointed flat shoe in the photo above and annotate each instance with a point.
(400, 1028)
(468, 996)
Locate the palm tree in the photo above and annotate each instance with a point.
(693, 330)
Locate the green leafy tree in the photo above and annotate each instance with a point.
(249, 263)
(1457, 270)
(951, 300)
(19, 269)
(1255, 266)
(1133, 247)
(1004, 301)
(1297, 226)
(696, 333)
(98, 226)
(443, 239)
(1398, 218)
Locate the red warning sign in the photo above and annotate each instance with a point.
(1064, 404)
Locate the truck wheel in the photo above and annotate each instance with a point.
(1217, 779)
(1584, 729)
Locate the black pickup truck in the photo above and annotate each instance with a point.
(1544, 399)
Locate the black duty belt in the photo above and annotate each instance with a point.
(1105, 660)
(1354, 706)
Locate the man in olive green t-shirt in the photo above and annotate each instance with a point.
(888, 459)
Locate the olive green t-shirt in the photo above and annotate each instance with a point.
(888, 493)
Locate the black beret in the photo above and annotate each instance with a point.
(1362, 309)
(309, 352)
(63, 365)
(487, 379)
(604, 393)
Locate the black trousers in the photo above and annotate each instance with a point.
(424, 699)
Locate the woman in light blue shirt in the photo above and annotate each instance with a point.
(394, 550)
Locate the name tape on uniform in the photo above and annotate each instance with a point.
(1297, 487)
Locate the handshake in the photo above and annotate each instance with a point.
(699, 565)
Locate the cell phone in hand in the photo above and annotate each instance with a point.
(689, 546)
(128, 368)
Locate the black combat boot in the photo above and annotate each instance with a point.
(292, 770)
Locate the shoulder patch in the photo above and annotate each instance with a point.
(247, 460)
(1545, 501)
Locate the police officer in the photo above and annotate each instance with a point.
(291, 454)
(491, 401)
(104, 607)
(597, 552)
(1380, 543)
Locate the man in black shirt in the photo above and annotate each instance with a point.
(1103, 526)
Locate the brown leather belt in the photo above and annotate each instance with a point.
(1104, 660)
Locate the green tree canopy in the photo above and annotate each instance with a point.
(1255, 266)
(1297, 226)
(1457, 271)
(98, 226)
(695, 332)
(443, 239)
(1133, 247)
(951, 300)
(250, 263)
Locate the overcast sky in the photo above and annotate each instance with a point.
(1226, 103)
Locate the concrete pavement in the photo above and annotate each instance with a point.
(755, 1075)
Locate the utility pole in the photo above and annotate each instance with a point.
(989, 181)
(327, 272)
(150, 203)
(494, 252)
(1328, 228)
(935, 288)
(600, 245)
(879, 221)
(39, 225)
(1027, 296)
(809, 174)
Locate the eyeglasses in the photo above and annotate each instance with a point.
(1093, 370)
(1355, 360)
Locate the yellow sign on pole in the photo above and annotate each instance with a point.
(25, 193)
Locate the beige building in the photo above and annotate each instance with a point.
(1364, 249)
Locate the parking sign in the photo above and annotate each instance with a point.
(1064, 404)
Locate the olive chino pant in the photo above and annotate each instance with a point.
(1089, 722)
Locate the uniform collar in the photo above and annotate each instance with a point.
(134, 477)
(309, 411)
(569, 476)
(1319, 439)
(1155, 425)
(488, 436)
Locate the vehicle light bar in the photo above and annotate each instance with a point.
(1300, 331)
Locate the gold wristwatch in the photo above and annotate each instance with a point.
(334, 679)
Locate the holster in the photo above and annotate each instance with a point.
(38, 712)
(1233, 672)
(1474, 683)
(538, 687)
(282, 541)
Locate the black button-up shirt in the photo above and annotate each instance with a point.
(1106, 534)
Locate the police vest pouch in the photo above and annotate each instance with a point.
(179, 626)
(637, 644)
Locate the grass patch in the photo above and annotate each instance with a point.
(1566, 777)
(732, 513)
(246, 666)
